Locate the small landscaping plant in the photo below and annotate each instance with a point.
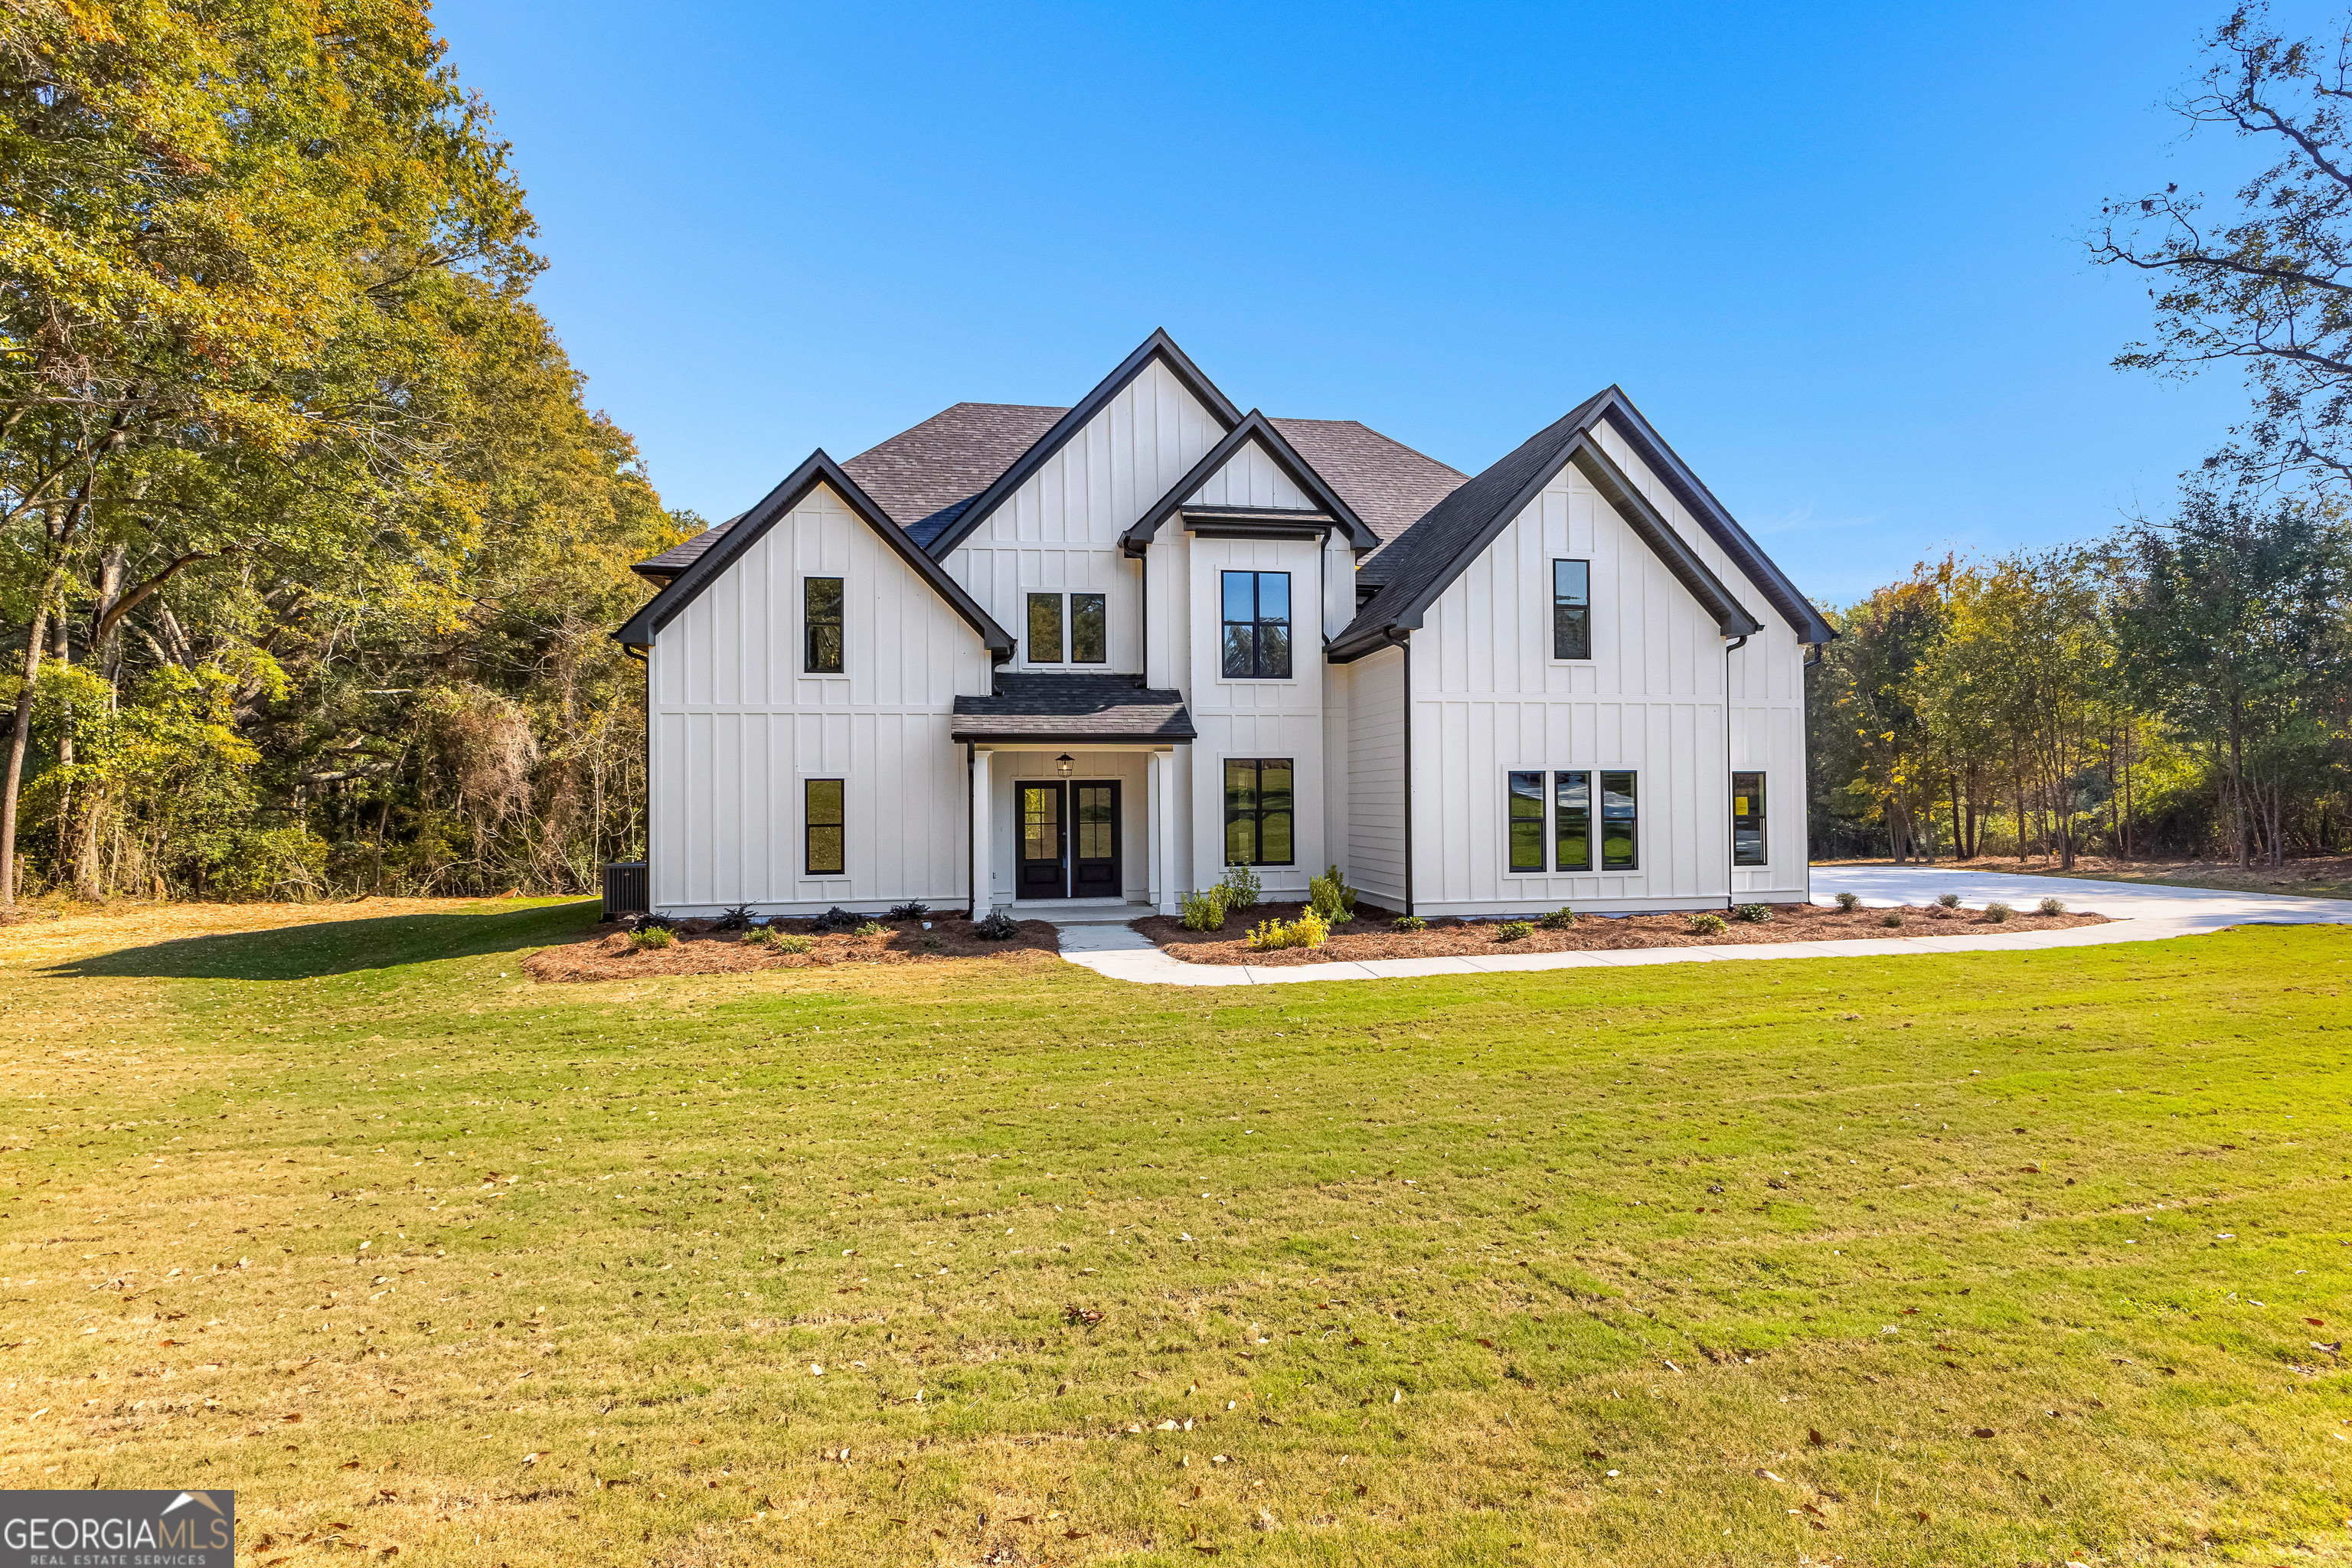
(1891, 917)
(838, 919)
(1706, 922)
(1202, 911)
(2053, 906)
(1241, 889)
(736, 919)
(791, 941)
(1331, 897)
(1849, 902)
(872, 928)
(1514, 931)
(651, 936)
(998, 927)
(1559, 918)
(1410, 922)
(930, 944)
(1998, 911)
(910, 912)
(1754, 914)
(760, 936)
(1947, 901)
(1308, 930)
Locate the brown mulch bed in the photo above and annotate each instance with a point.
(700, 950)
(1368, 936)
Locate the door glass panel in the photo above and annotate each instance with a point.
(1041, 822)
(1097, 830)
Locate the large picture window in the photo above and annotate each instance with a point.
(1572, 609)
(1527, 807)
(1258, 819)
(1090, 629)
(1044, 628)
(1257, 625)
(825, 853)
(1747, 819)
(1621, 823)
(1571, 821)
(821, 624)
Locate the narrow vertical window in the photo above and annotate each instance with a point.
(1619, 823)
(826, 853)
(1256, 625)
(1258, 812)
(1090, 629)
(1526, 801)
(1747, 819)
(821, 624)
(1571, 821)
(1572, 609)
(1044, 628)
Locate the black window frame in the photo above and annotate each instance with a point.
(1631, 816)
(1560, 809)
(1061, 629)
(1572, 611)
(1255, 629)
(1523, 833)
(810, 824)
(1256, 813)
(1751, 820)
(813, 623)
(1081, 605)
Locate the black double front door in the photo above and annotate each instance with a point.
(1068, 833)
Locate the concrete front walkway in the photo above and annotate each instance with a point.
(2139, 913)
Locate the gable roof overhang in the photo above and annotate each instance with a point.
(820, 469)
(1158, 347)
(1254, 426)
(1472, 517)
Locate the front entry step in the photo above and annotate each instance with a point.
(1079, 911)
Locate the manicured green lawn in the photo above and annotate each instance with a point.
(1734, 1262)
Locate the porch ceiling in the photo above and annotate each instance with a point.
(1073, 708)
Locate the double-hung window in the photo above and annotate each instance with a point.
(1747, 819)
(1258, 812)
(821, 624)
(825, 854)
(1572, 609)
(1088, 625)
(1257, 625)
(1569, 804)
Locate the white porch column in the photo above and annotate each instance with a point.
(983, 876)
(1161, 826)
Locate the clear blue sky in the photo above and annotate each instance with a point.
(1832, 251)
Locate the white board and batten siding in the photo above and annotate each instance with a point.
(737, 728)
(1375, 776)
(1489, 698)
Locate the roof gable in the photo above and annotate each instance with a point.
(1255, 427)
(742, 531)
(1159, 347)
(1391, 486)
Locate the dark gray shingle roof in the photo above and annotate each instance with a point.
(1391, 486)
(1058, 708)
(925, 477)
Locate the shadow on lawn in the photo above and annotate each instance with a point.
(339, 947)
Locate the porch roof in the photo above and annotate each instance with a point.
(1073, 709)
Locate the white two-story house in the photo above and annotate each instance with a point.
(1026, 656)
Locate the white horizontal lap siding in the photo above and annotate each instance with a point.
(1251, 478)
(1237, 718)
(1375, 842)
(737, 726)
(1489, 698)
(1059, 532)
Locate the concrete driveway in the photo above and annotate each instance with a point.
(2139, 914)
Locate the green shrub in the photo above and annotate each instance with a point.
(1241, 889)
(998, 927)
(1309, 930)
(792, 942)
(1754, 914)
(1514, 931)
(1998, 911)
(872, 928)
(1947, 901)
(1891, 917)
(758, 936)
(651, 936)
(1410, 922)
(1202, 911)
(1331, 897)
(1849, 902)
(929, 943)
(1559, 918)
(1706, 923)
(2053, 906)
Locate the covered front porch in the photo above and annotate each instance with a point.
(1075, 790)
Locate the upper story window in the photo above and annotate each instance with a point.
(821, 600)
(1044, 628)
(1257, 625)
(1090, 629)
(1572, 609)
